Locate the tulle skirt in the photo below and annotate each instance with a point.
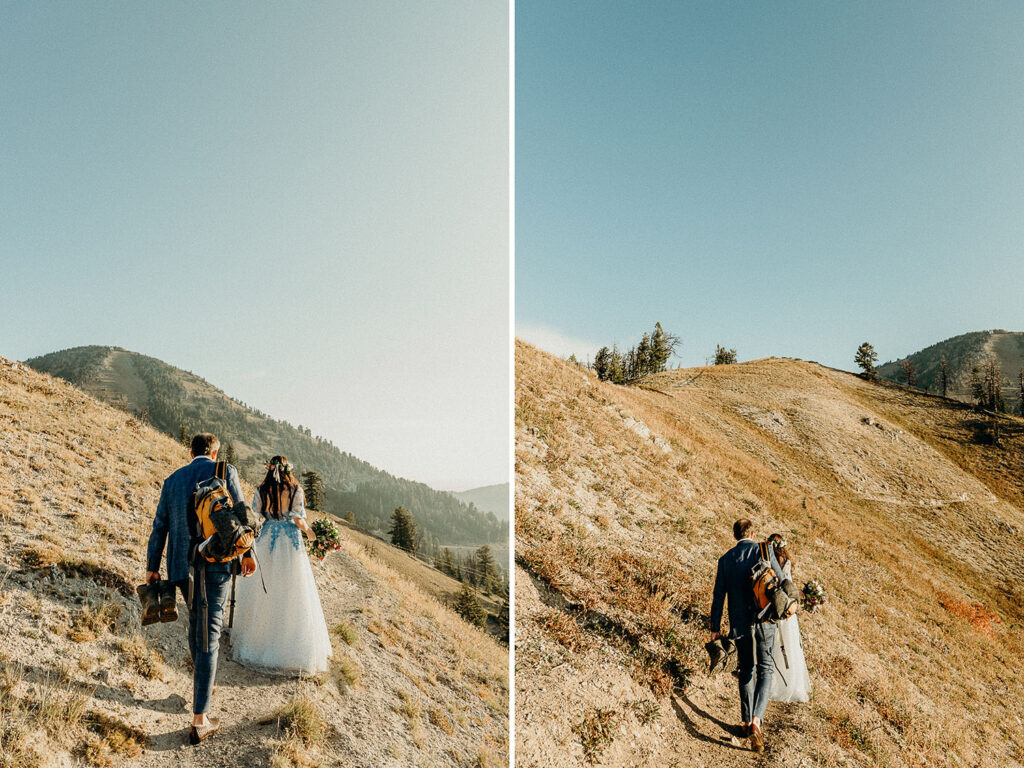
(790, 681)
(283, 630)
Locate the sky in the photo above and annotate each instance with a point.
(786, 179)
(305, 204)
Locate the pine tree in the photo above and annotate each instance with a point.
(448, 564)
(992, 378)
(468, 606)
(724, 356)
(663, 345)
(313, 485)
(489, 577)
(229, 454)
(977, 386)
(602, 363)
(865, 359)
(403, 529)
(943, 375)
(184, 436)
(616, 367)
(642, 358)
(350, 518)
(909, 374)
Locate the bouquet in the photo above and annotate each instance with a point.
(327, 539)
(814, 596)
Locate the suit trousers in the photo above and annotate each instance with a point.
(755, 670)
(204, 661)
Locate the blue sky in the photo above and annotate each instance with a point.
(306, 204)
(786, 179)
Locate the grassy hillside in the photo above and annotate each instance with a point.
(168, 397)
(625, 497)
(82, 683)
(962, 353)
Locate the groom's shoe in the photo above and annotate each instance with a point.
(756, 738)
(168, 602)
(198, 733)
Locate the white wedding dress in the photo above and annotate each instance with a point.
(790, 681)
(281, 631)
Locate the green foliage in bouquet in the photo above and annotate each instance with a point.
(327, 539)
(814, 596)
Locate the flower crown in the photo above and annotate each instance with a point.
(282, 466)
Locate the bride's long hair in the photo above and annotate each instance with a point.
(781, 553)
(280, 479)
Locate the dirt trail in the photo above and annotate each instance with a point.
(82, 683)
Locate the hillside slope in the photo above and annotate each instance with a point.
(625, 497)
(168, 397)
(962, 353)
(82, 683)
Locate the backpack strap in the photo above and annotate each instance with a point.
(221, 471)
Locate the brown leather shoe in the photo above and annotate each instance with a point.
(197, 734)
(756, 739)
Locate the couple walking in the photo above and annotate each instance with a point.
(279, 625)
(762, 647)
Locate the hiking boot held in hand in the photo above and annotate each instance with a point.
(149, 597)
(168, 604)
(719, 652)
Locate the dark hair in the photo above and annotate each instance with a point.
(742, 528)
(272, 489)
(781, 553)
(205, 444)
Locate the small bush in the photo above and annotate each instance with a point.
(142, 658)
(346, 632)
(440, 719)
(596, 732)
(301, 719)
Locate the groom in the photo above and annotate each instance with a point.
(755, 640)
(170, 525)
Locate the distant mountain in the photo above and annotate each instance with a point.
(489, 498)
(173, 400)
(962, 353)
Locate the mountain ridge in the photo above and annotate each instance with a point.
(172, 399)
(962, 352)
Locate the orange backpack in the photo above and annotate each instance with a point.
(772, 601)
(220, 533)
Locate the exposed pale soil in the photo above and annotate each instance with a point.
(625, 498)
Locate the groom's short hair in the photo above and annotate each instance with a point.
(742, 528)
(204, 444)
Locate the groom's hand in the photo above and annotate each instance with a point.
(715, 636)
(248, 566)
(152, 576)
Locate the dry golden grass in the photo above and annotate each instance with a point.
(625, 499)
(78, 486)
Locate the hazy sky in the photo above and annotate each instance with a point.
(304, 203)
(788, 178)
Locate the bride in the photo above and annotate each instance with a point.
(790, 682)
(281, 630)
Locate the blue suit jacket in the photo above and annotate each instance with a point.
(170, 524)
(733, 580)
